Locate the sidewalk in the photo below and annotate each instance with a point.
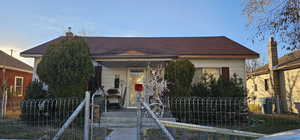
(122, 134)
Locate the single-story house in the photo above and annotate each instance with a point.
(15, 75)
(121, 62)
(279, 78)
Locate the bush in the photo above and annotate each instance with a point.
(66, 67)
(35, 90)
(211, 87)
(210, 111)
(179, 75)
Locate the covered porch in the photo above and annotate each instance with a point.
(121, 76)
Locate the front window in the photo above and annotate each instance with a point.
(19, 86)
(215, 72)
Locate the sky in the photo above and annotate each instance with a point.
(27, 23)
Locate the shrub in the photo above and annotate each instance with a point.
(211, 87)
(179, 75)
(66, 67)
(35, 90)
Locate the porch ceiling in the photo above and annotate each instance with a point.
(131, 63)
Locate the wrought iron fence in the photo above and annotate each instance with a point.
(33, 119)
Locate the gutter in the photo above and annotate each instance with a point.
(31, 55)
(17, 69)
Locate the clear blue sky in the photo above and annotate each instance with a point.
(26, 23)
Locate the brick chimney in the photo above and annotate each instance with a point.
(272, 51)
(69, 32)
(274, 74)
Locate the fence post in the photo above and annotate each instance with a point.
(86, 116)
(139, 88)
(139, 116)
(4, 103)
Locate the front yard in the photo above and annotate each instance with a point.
(13, 129)
(268, 124)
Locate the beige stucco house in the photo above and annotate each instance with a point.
(280, 78)
(121, 62)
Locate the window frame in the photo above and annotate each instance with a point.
(255, 87)
(219, 69)
(266, 81)
(21, 86)
(194, 81)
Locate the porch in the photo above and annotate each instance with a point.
(121, 76)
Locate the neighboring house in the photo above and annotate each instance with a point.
(280, 78)
(121, 62)
(15, 75)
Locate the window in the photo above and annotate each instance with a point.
(212, 71)
(266, 84)
(19, 86)
(197, 76)
(255, 87)
(216, 72)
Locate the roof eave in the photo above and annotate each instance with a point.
(30, 55)
(220, 56)
(16, 69)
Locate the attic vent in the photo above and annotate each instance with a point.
(132, 52)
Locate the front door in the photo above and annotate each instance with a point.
(135, 76)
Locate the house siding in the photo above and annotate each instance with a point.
(37, 60)
(10, 78)
(236, 66)
(260, 83)
(108, 76)
(289, 83)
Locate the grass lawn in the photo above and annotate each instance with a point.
(14, 129)
(182, 134)
(265, 124)
(269, 124)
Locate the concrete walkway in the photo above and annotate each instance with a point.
(123, 134)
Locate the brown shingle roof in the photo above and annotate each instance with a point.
(9, 61)
(166, 46)
(291, 60)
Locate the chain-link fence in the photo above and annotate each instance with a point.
(34, 119)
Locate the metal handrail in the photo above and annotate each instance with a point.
(211, 129)
(158, 122)
(101, 93)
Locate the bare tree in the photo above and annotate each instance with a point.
(253, 64)
(279, 18)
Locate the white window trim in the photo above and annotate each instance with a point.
(15, 86)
